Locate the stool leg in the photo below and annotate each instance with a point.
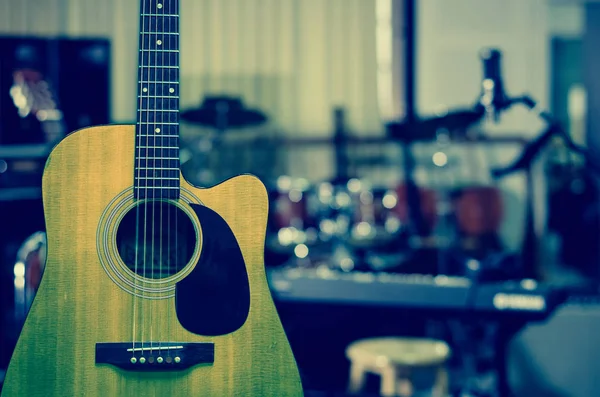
(388, 381)
(405, 387)
(441, 384)
(357, 378)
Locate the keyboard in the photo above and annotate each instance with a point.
(413, 291)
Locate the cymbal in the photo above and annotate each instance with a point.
(455, 122)
(223, 113)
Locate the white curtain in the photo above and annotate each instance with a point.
(295, 59)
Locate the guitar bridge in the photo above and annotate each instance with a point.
(155, 356)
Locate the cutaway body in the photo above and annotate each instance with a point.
(215, 309)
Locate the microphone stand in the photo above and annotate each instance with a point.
(524, 163)
(531, 151)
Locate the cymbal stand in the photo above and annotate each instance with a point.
(207, 143)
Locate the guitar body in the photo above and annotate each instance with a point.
(87, 296)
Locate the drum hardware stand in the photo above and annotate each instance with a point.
(440, 129)
(502, 332)
(221, 114)
(341, 144)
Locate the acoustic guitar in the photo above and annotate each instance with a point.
(152, 287)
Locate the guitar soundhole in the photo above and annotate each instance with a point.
(156, 239)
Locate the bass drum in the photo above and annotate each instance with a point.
(479, 213)
(478, 210)
(28, 271)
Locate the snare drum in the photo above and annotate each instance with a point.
(428, 205)
(293, 217)
(289, 203)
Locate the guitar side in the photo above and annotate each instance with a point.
(79, 305)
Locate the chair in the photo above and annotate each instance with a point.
(404, 365)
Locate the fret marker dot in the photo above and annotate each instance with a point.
(159, 6)
(159, 42)
(157, 130)
(144, 89)
(171, 90)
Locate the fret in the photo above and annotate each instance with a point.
(158, 158)
(163, 102)
(171, 89)
(159, 147)
(167, 178)
(161, 141)
(158, 110)
(156, 171)
(160, 67)
(157, 182)
(160, 134)
(158, 58)
(174, 83)
(154, 96)
(158, 50)
(156, 178)
(150, 191)
(159, 6)
(156, 134)
(168, 33)
(160, 15)
(142, 147)
(158, 89)
(158, 117)
(154, 162)
(168, 74)
(147, 189)
(161, 169)
(149, 184)
(143, 152)
(157, 124)
(157, 128)
(152, 185)
(159, 41)
(166, 23)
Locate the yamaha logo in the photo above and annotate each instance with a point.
(504, 301)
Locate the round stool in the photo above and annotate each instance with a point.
(401, 363)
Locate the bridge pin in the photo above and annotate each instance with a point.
(142, 360)
(159, 360)
(177, 360)
(133, 360)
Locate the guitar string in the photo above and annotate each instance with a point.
(163, 191)
(168, 256)
(147, 188)
(157, 123)
(174, 10)
(176, 27)
(139, 170)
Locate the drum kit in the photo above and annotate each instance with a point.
(308, 221)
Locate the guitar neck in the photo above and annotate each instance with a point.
(157, 129)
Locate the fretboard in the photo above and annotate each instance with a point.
(157, 129)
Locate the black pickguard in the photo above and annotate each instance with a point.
(214, 299)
